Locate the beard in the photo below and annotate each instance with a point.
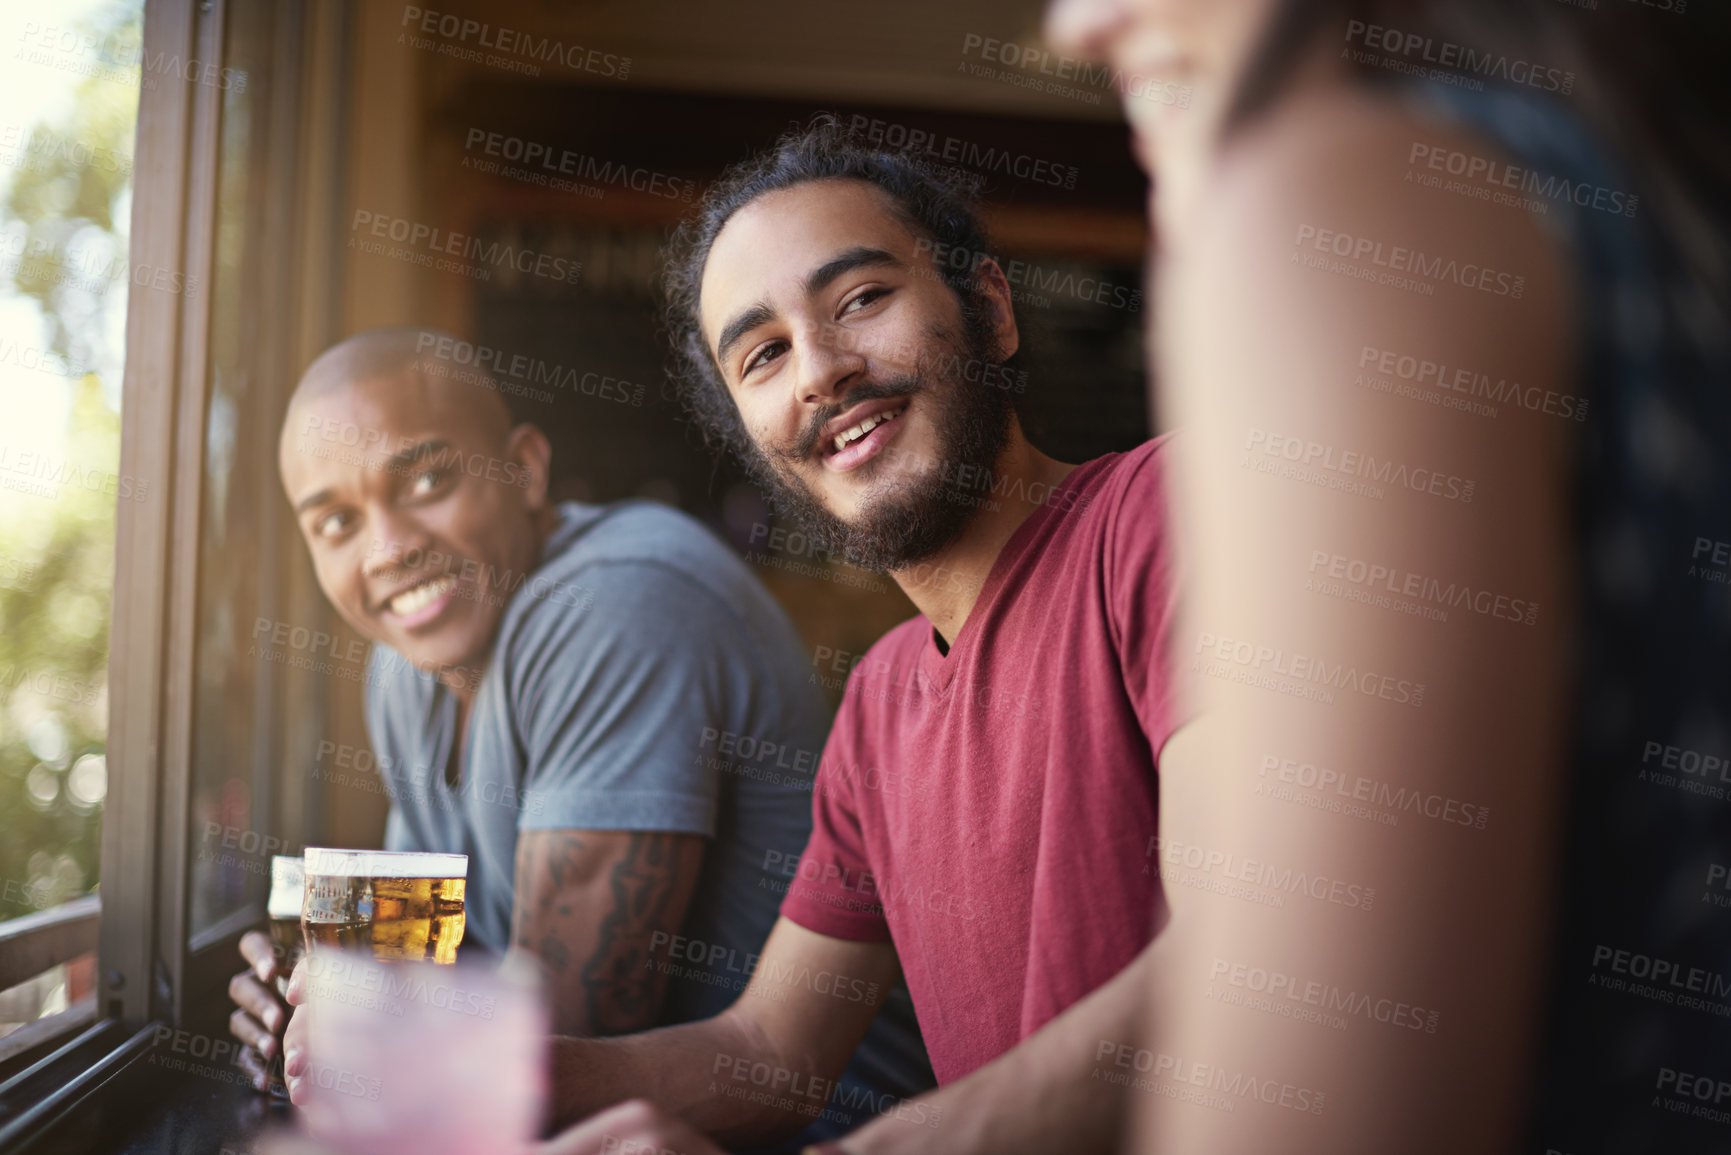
(905, 521)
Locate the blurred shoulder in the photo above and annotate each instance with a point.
(633, 568)
(647, 544)
(1345, 173)
(1322, 237)
(631, 531)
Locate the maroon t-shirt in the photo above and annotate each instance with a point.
(989, 810)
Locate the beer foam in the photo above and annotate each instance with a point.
(326, 862)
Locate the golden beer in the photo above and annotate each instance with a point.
(400, 906)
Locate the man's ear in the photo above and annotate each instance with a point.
(528, 447)
(990, 283)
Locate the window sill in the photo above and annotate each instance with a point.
(33, 1040)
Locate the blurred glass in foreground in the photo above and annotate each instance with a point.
(423, 1058)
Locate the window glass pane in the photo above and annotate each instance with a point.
(68, 109)
(231, 811)
(54, 990)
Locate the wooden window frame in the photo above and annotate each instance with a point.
(152, 970)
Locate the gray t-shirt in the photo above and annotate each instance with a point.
(643, 679)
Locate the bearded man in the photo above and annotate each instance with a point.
(985, 804)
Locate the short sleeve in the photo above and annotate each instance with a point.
(610, 699)
(1142, 594)
(834, 889)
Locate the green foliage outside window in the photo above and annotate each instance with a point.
(63, 246)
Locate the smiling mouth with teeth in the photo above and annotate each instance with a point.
(420, 596)
(848, 436)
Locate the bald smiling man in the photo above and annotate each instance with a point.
(557, 691)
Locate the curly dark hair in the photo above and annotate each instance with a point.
(932, 207)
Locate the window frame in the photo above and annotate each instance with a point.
(175, 129)
(151, 970)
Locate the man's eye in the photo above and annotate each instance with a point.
(426, 481)
(863, 299)
(331, 524)
(763, 357)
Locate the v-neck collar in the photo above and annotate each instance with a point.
(940, 667)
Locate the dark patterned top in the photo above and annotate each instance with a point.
(1639, 1002)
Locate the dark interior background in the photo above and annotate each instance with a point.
(1085, 392)
(708, 84)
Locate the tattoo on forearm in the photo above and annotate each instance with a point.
(562, 862)
(554, 954)
(612, 920)
(622, 987)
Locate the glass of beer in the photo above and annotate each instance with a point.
(283, 908)
(401, 906)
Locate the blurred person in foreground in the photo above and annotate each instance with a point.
(1442, 311)
(549, 690)
(987, 795)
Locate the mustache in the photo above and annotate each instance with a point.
(803, 446)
